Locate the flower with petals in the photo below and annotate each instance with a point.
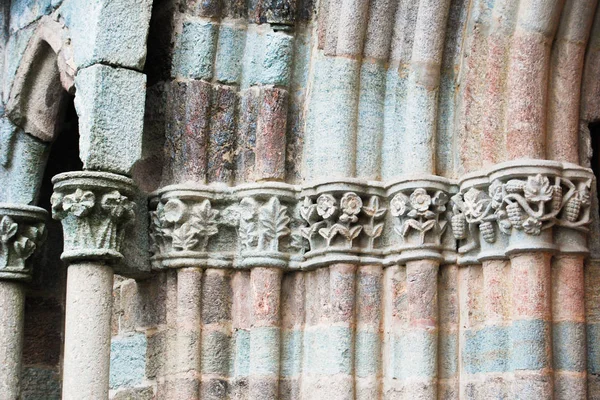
(117, 205)
(532, 226)
(474, 203)
(420, 200)
(351, 204)
(538, 189)
(326, 206)
(79, 203)
(174, 210)
(399, 205)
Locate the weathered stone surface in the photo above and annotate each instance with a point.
(128, 360)
(108, 31)
(22, 174)
(110, 105)
(40, 384)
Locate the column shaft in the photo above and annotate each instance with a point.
(189, 323)
(265, 334)
(531, 339)
(422, 293)
(12, 307)
(568, 328)
(87, 332)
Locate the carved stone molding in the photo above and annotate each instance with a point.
(522, 206)
(22, 232)
(286, 226)
(95, 209)
(221, 227)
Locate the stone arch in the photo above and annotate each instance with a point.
(44, 77)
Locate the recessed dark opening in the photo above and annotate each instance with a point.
(45, 299)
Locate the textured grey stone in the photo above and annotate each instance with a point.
(108, 31)
(110, 105)
(21, 177)
(40, 384)
(127, 360)
(24, 12)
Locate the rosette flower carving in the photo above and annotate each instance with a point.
(326, 206)
(420, 212)
(333, 220)
(79, 203)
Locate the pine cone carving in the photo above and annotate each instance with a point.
(556, 197)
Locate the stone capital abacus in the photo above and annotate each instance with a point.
(95, 209)
(22, 232)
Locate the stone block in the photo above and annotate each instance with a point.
(108, 31)
(39, 383)
(143, 393)
(127, 360)
(110, 105)
(24, 12)
(195, 50)
(21, 178)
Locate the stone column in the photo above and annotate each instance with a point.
(22, 231)
(94, 208)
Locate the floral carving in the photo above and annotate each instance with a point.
(79, 203)
(262, 227)
(19, 239)
(176, 226)
(93, 220)
(420, 212)
(531, 205)
(330, 220)
(374, 212)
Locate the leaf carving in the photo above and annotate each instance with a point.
(274, 222)
(185, 237)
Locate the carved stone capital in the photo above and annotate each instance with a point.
(221, 227)
(22, 231)
(291, 227)
(344, 222)
(522, 206)
(420, 219)
(95, 209)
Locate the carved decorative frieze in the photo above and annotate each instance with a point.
(518, 207)
(287, 226)
(95, 209)
(219, 227)
(22, 232)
